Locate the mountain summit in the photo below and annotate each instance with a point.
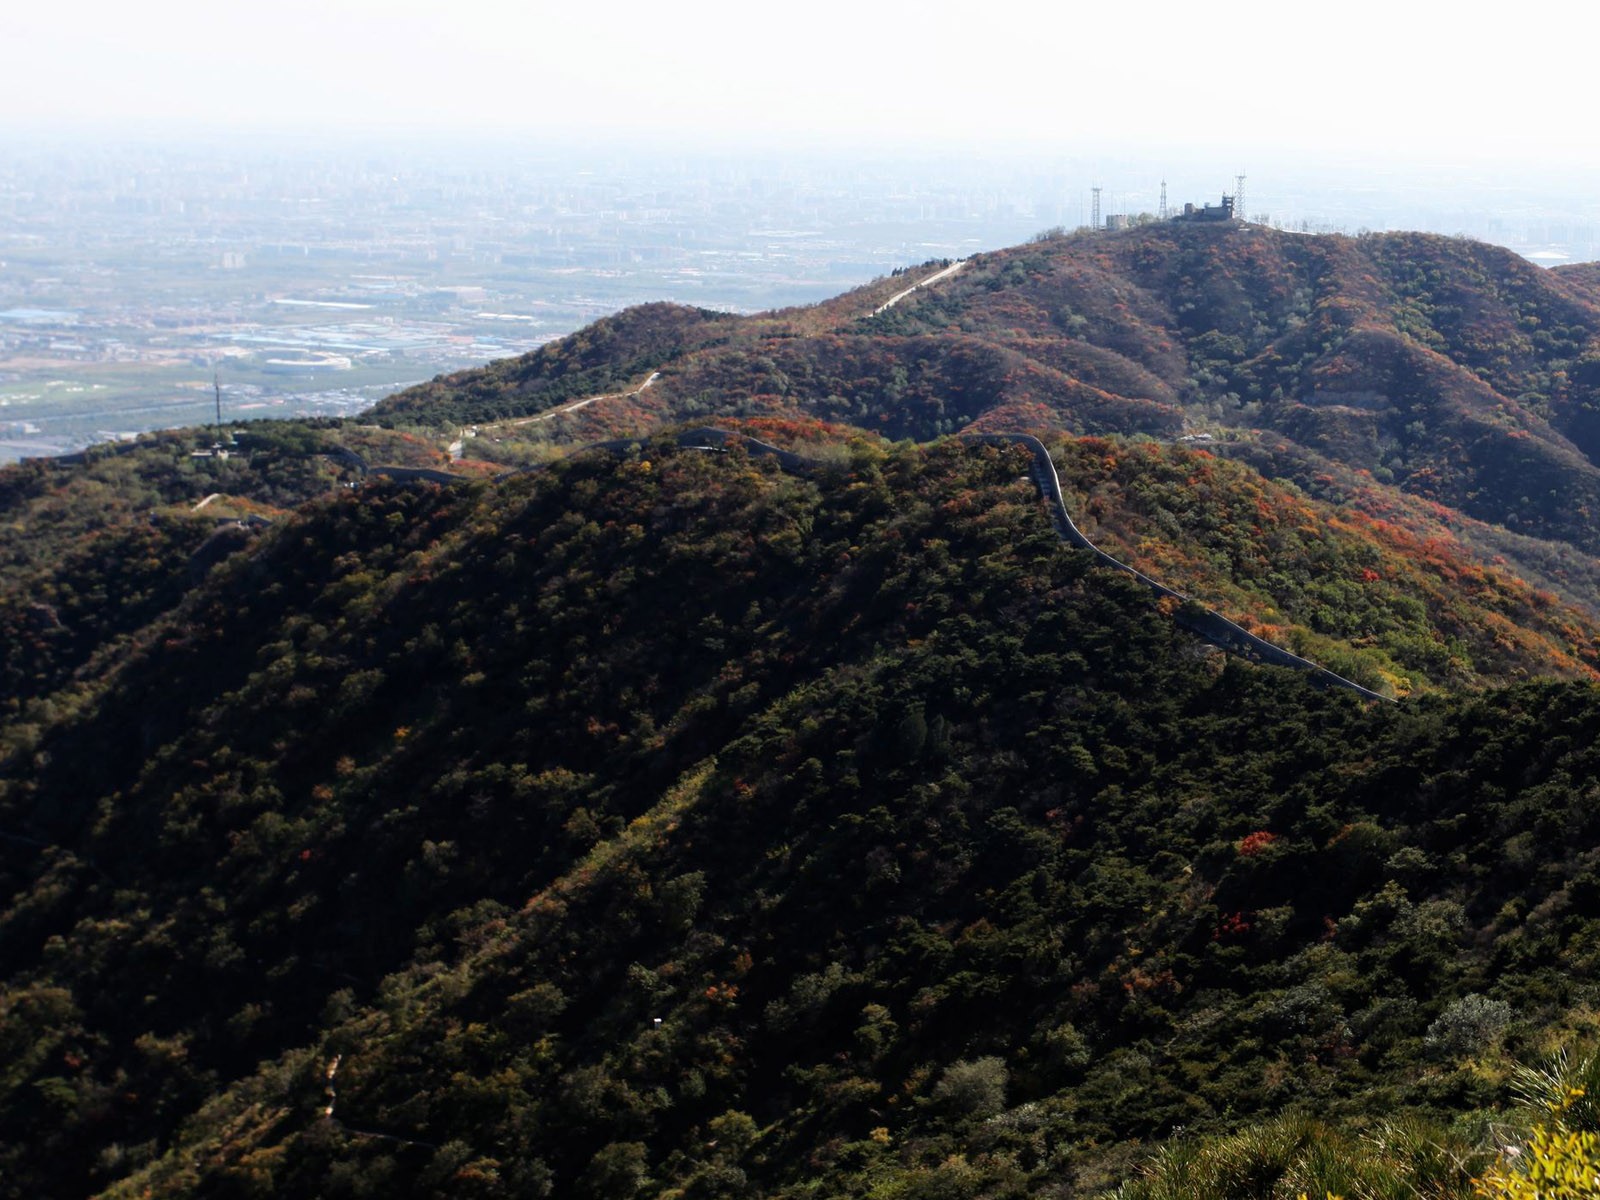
(1454, 370)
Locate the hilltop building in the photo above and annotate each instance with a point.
(1228, 210)
(1209, 212)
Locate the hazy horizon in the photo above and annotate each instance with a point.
(1292, 188)
(1377, 84)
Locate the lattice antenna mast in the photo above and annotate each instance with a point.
(216, 384)
(1162, 211)
(1238, 198)
(1094, 212)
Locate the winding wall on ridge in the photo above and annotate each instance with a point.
(1208, 624)
(1205, 623)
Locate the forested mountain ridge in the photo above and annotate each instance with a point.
(1400, 601)
(662, 821)
(547, 800)
(1438, 385)
(1453, 370)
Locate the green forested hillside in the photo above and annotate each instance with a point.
(650, 819)
(668, 821)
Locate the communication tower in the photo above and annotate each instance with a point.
(1238, 197)
(1162, 211)
(1094, 212)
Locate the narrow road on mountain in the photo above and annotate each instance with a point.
(1208, 624)
(457, 448)
(922, 283)
(586, 401)
(565, 408)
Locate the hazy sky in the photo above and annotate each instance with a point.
(1461, 81)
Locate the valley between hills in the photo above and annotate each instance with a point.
(697, 758)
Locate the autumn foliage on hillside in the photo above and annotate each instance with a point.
(1392, 603)
(1448, 369)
